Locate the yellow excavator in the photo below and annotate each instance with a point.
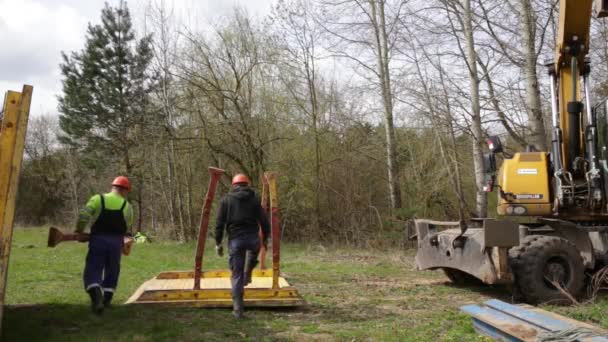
(553, 205)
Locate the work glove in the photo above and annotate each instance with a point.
(219, 250)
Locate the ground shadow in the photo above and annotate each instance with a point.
(501, 292)
(71, 322)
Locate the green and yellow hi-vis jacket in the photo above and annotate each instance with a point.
(113, 201)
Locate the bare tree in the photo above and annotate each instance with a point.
(522, 48)
(225, 89)
(365, 27)
(462, 11)
(165, 49)
(298, 35)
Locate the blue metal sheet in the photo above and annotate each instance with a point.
(489, 330)
(535, 318)
(497, 323)
(507, 322)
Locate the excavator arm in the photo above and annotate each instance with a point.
(577, 180)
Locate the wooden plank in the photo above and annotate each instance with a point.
(12, 141)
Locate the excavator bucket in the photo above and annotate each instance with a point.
(213, 288)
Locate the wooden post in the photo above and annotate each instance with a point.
(202, 231)
(275, 222)
(265, 207)
(12, 141)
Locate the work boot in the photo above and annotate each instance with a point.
(107, 299)
(96, 294)
(237, 307)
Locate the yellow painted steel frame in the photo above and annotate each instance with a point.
(175, 288)
(12, 140)
(268, 288)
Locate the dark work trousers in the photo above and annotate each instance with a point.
(103, 262)
(237, 249)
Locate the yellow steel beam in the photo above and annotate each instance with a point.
(209, 274)
(204, 294)
(574, 25)
(227, 303)
(12, 141)
(574, 20)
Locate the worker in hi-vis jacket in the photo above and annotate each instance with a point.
(112, 218)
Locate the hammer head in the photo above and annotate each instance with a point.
(55, 237)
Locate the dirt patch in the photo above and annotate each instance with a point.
(295, 333)
(401, 283)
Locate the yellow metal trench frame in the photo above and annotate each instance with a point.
(177, 288)
(213, 288)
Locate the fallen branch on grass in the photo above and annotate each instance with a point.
(563, 291)
(599, 282)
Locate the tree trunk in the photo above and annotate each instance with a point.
(536, 122)
(140, 212)
(481, 199)
(385, 84)
(457, 177)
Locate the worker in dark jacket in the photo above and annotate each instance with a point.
(241, 215)
(112, 217)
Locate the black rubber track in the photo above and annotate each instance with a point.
(528, 261)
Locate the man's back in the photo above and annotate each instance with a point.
(241, 213)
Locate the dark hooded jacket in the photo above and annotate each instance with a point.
(241, 214)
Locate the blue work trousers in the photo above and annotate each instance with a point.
(238, 249)
(103, 262)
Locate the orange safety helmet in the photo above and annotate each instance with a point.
(240, 179)
(122, 182)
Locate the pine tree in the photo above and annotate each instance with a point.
(106, 89)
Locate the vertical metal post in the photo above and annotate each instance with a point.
(215, 174)
(275, 222)
(554, 110)
(557, 141)
(265, 207)
(588, 103)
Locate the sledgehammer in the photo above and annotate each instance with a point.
(56, 237)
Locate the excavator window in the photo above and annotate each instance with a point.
(601, 8)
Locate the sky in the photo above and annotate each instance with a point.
(34, 32)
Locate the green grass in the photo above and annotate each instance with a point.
(353, 295)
